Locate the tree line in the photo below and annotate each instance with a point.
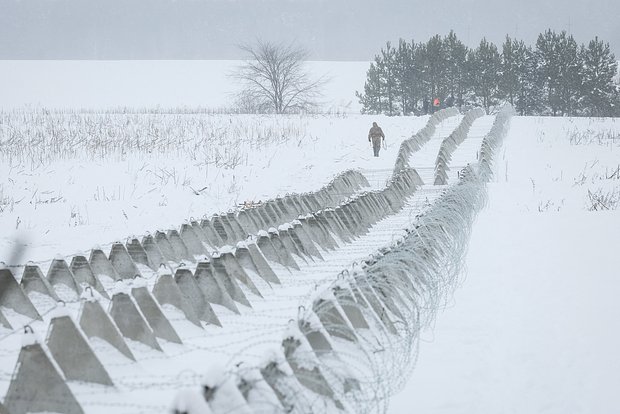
(556, 76)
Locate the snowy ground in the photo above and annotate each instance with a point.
(68, 204)
(148, 83)
(150, 384)
(532, 329)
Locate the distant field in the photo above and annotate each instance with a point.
(191, 83)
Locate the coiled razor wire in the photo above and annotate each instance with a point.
(413, 144)
(355, 343)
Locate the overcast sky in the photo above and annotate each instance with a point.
(330, 29)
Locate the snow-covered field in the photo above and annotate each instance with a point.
(531, 328)
(165, 83)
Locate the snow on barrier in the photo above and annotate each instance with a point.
(34, 281)
(450, 144)
(95, 322)
(316, 370)
(352, 347)
(37, 386)
(73, 354)
(13, 297)
(413, 144)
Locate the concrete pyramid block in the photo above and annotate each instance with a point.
(73, 354)
(350, 307)
(191, 240)
(366, 292)
(290, 245)
(300, 360)
(279, 376)
(321, 235)
(240, 232)
(220, 229)
(213, 289)
(264, 216)
(300, 236)
(138, 253)
(256, 392)
(213, 237)
(60, 274)
(101, 266)
(165, 247)
(235, 270)
(233, 233)
(282, 251)
(267, 249)
(166, 291)
(242, 254)
(12, 296)
(337, 226)
(34, 281)
(84, 274)
(4, 321)
(250, 257)
(162, 328)
(246, 223)
(95, 322)
(122, 262)
(194, 296)
(178, 245)
(224, 279)
(199, 232)
(335, 323)
(256, 217)
(37, 386)
(130, 321)
(153, 252)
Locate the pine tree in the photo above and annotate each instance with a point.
(434, 69)
(512, 62)
(371, 98)
(404, 72)
(597, 73)
(456, 71)
(385, 69)
(560, 63)
(529, 99)
(484, 73)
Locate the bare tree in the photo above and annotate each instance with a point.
(275, 79)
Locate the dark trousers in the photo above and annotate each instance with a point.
(376, 145)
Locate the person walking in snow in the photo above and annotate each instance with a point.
(375, 135)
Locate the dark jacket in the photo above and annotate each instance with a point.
(375, 132)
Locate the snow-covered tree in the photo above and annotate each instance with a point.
(484, 73)
(597, 73)
(371, 98)
(456, 70)
(275, 77)
(559, 63)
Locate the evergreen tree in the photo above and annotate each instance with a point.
(371, 99)
(511, 73)
(385, 69)
(434, 69)
(560, 64)
(484, 73)
(597, 73)
(404, 72)
(456, 70)
(529, 99)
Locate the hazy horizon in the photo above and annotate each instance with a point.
(331, 30)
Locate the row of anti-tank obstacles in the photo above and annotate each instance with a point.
(136, 313)
(349, 350)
